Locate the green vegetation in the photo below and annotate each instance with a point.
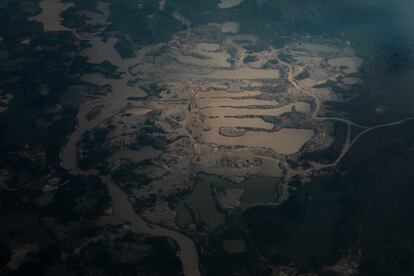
(128, 18)
(85, 197)
(301, 230)
(234, 246)
(378, 204)
(57, 133)
(365, 208)
(124, 48)
(201, 203)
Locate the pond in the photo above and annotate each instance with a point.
(202, 205)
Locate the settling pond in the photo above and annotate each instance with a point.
(201, 201)
(310, 237)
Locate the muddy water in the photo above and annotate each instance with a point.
(124, 212)
(226, 94)
(230, 27)
(50, 17)
(104, 51)
(244, 73)
(121, 91)
(225, 4)
(212, 57)
(224, 102)
(99, 52)
(284, 141)
(216, 111)
(216, 124)
(232, 111)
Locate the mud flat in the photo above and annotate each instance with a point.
(284, 141)
(50, 15)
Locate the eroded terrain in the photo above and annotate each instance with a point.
(180, 140)
(204, 103)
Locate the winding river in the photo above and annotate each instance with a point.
(99, 52)
(123, 210)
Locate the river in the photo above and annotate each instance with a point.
(50, 17)
(122, 207)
